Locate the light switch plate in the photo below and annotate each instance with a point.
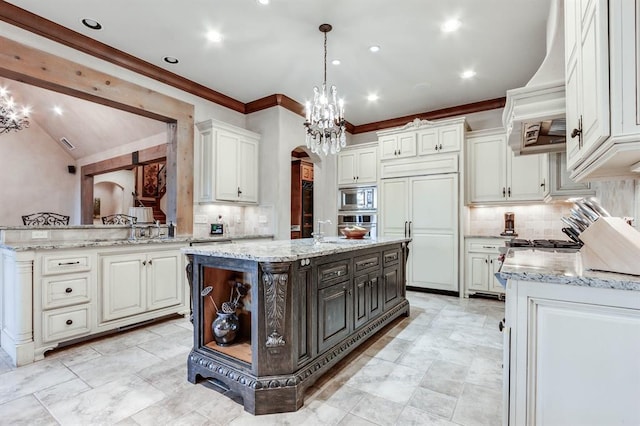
(200, 218)
(39, 234)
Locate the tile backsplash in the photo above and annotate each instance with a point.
(539, 221)
(238, 220)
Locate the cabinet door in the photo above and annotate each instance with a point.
(164, 280)
(375, 296)
(367, 171)
(428, 141)
(494, 267)
(360, 299)
(487, 179)
(434, 222)
(477, 271)
(392, 286)
(247, 170)
(123, 285)
(449, 138)
(526, 177)
(594, 79)
(394, 212)
(388, 147)
(347, 168)
(227, 184)
(573, 93)
(406, 145)
(334, 314)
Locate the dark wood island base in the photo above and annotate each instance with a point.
(309, 306)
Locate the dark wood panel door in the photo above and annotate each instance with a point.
(361, 299)
(375, 296)
(392, 292)
(334, 314)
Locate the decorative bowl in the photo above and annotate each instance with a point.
(354, 233)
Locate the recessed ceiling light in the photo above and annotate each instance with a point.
(92, 24)
(214, 36)
(336, 62)
(57, 110)
(265, 2)
(374, 48)
(170, 60)
(468, 74)
(372, 97)
(450, 26)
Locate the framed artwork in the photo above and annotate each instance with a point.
(147, 180)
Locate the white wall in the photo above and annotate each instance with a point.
(35, 178)
(126, 181)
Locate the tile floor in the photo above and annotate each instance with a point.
(440, 366)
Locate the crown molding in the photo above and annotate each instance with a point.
(36, 24)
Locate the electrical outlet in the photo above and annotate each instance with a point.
(39, 234)
(200, 218)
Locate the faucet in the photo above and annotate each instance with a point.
(319, 235)
(132, 234)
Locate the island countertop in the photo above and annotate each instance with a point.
(288, 250)
(561, 267)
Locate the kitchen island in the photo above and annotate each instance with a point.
(571, 339)
(309, 304)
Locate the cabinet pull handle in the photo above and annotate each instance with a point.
(543, 184)
(501, 325)
(504, 192)
(68, 290)
(410, 228)
(489, 247)
(77, 262)
(69, 322)
(509, 191)
(578, 132)
(436, 147)
(405, 228)
(239, 192)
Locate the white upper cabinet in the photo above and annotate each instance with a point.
(358, 165)
(399, 145)
(561, 187)
(602, 53)
(422, 137)
(440, 139)
(226, 163)
(496, 175)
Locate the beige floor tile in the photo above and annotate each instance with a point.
(377, 410)
(26, 411)
(479, 406)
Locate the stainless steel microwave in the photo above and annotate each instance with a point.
(362, 198)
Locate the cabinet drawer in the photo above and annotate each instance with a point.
(65, 290)
(65, 323)
(486, 246)
(366, 262)
(63, 263)
(330, 273)
(390, 257)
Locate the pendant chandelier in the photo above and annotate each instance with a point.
(325, 122)
(12, 117)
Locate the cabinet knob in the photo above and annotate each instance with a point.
(395, 152)
(239, 191)
(68, 290)
(69, 322)
(501, 325)
(485, 261)
(509, 191)
(151, 262)
(543, 185)
(144, 263)
(440, 147)
(504, 192)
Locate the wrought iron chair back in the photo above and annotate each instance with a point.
(119, 219)
(45, 219)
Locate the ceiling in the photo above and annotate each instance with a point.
(277, 48)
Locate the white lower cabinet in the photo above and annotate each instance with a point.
(135, 283)
(54, 296)
(481, 264)
(571, 355)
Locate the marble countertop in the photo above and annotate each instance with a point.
(559, 266)
(53, 244)
(288, 250)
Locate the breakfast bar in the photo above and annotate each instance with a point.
(270, 318)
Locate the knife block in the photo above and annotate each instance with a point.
(612, 245)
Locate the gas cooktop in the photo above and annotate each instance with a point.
(515, 242)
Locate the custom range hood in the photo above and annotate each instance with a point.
(534, 115)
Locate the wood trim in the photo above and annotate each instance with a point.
(433, 115)
(43, 69)
(48, 29)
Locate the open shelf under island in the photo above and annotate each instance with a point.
(309, 304)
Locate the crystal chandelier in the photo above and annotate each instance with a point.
(11, 116)
(325, 122)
